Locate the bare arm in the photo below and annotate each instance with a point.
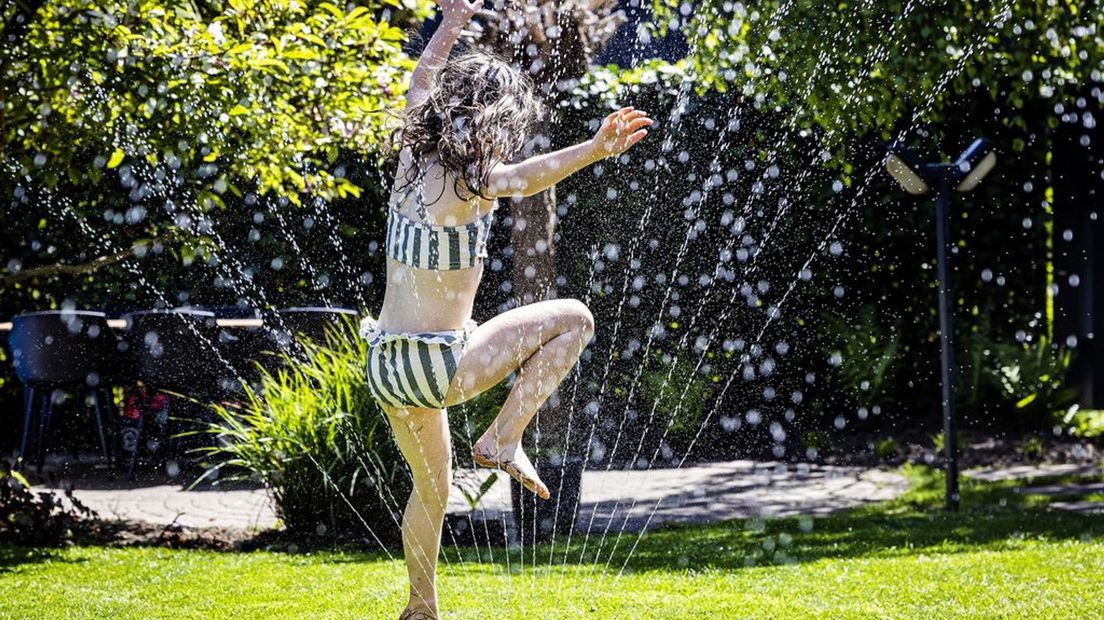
(457, 13)
(619, 131)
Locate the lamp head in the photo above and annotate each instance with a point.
(974, 163)
(907, 170)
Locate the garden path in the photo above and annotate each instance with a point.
(698, 493)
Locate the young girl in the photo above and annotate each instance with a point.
(465, 117)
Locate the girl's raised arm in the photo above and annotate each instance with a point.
(619, 131)
(457, 13)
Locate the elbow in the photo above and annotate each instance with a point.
(511, 185)
(518, 192)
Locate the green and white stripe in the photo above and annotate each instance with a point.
(444, 248)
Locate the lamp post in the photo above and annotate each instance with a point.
(919, 178)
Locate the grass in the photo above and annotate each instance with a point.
(1005, 555)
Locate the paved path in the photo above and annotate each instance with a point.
(1023, 472)
(1027, 472)
(697, 494)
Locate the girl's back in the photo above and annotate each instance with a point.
(417, 299)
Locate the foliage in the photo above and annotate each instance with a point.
(680, 394)
(262, 93)
(612, 86)
(868, 355)
(1082, 422)
(1032, 374)
(857, 67)
(1033, 449)
(163, 119)
(887, 448)
(314, 436)
(37, 518)
(474, 486)
(940, 444)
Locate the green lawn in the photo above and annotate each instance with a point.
(1006, 555)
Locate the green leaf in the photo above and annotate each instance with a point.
(19, 477)
(116, 159)
(487, 484)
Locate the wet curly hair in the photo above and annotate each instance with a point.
(480, 111)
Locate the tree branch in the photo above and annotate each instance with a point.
(83, 268)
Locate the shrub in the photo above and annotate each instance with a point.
(869, 353)
(940, 445)
(1032, 375)
(886, 448)
(1033, 449)
(679, 394)
(36, 519)
(1082, 422)
(314, 436)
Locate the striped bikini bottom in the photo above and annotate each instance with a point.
(412, 369)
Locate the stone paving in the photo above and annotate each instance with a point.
(1027, 472)
(1021, 472)
(630, 498)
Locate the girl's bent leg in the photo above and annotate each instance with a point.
(423, 437)
(542, 341)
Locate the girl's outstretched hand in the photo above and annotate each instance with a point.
(459, 9)
(620, 130)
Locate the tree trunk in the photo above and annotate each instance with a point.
(556, 43)
(532, 239)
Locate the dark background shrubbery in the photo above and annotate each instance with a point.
(882, 323)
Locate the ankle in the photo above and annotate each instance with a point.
(419, 609)
(495, 444)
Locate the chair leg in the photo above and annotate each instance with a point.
(100, 425)
(107, 401)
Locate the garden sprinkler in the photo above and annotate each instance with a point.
(919, 178)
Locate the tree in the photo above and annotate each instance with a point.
(161, 109)
(868, 67)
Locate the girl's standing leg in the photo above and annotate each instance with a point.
(542, 341)
(423, 437)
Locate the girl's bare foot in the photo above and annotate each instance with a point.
(512, 460)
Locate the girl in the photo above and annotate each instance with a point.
(465, 117)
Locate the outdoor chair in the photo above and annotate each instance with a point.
(64, 350)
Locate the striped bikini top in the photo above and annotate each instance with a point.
(428, 246)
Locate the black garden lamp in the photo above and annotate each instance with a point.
(919, 178)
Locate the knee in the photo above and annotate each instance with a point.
(580, 317)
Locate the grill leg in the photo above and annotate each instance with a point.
(28, 419)
(44, 428)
